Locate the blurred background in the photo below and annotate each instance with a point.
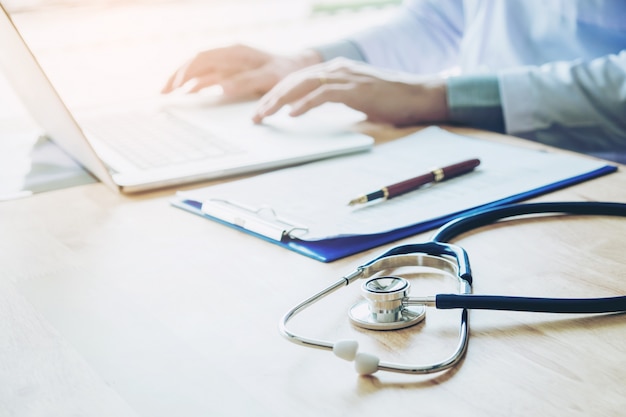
(118, 49)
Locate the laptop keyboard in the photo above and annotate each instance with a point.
(150, 140)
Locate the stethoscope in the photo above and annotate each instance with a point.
(388, 305)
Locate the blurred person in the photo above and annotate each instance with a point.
(553, 71)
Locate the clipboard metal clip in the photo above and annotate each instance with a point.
(263, 220)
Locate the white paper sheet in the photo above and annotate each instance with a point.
(316, 195)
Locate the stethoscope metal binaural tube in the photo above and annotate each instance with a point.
(447, 363)
(314, 343)
(347, 349)
(388, 299)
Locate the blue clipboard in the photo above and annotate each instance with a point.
(222, 208)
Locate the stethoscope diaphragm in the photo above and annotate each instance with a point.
(382, 306)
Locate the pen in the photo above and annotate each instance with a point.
(436, 175)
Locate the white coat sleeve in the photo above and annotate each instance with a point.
(574, 105)
(423, 37)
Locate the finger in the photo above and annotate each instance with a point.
(206, 64)
(182, 76)
(285, 92)
(268, 107)
(327, 93)
(253, 82)
(169, 85)
(199, 83)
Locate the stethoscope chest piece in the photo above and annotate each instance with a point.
(387, 304)
(382, 306)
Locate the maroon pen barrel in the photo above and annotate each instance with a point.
(409, 185)
(436, 175)
(459, 169)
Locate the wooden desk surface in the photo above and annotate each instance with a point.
(125, 306)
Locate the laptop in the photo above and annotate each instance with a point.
(167, 143)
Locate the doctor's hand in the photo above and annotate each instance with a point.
(385, 97)
(239, 69)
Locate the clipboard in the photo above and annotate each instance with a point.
(304, 208)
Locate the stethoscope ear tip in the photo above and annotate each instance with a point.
(364, 363)
(346, 349)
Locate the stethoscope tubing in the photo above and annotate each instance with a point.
(488, 216)
(439, 248)
(531, 304)
(446, 363)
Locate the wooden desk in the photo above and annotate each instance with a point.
(124, 306)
